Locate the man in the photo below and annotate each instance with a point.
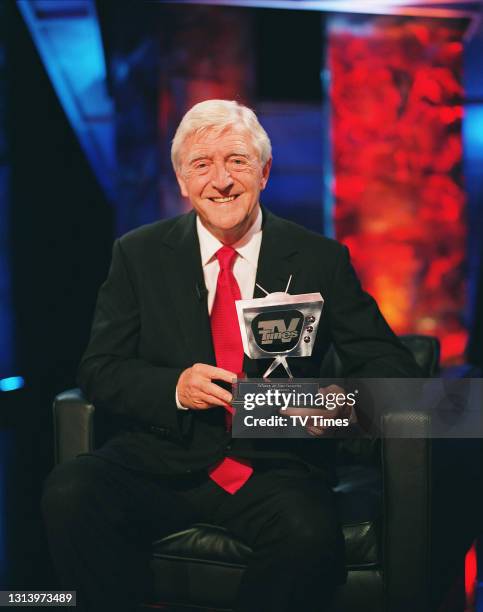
(163, 340)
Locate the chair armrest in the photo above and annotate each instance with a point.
(430, 491)
(73, 425)
(406, 468)
(425, 350)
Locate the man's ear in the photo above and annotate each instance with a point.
(265, 173)
(182, 185)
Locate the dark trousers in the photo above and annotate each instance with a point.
(101, 519)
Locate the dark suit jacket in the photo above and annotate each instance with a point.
(152, 322)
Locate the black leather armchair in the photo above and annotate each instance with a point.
(405, 507)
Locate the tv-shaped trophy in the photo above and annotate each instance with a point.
(279, 325)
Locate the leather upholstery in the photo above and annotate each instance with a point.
(223, 558)
(203, 543)
(384, 505)
(359, 502)
(425, 350)
(73, 425)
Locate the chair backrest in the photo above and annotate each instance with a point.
(425, 350)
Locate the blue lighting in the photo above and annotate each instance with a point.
(11, 383)
(473, 133)
(473, 161)
(68, 39)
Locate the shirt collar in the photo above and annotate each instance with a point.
(247, 247)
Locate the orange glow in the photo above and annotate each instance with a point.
(396, 97)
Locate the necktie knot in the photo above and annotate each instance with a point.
(226, 255)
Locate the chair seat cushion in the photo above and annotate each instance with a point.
(358, 496)
(359, 502)
(203, 543)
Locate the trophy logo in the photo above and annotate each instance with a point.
(279, 325)
(277, 331)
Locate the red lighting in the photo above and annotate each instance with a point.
(471, 577)
(396, 99)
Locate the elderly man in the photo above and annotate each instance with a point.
(164, 337)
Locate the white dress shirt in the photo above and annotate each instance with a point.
(244, 268)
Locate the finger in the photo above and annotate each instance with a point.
(216, 391)
(204, 401)
(315, 431)
(331, 389)
(199, 404)
(302, 412)
(337, 413)
(214, 373)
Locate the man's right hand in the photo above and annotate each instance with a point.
(196, 390)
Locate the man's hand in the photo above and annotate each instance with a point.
(197, 391)
(339, 412)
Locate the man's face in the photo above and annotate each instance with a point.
(222, 175)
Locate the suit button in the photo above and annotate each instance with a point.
(228, 447)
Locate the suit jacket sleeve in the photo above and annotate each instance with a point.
(111, 373)
(363, 340)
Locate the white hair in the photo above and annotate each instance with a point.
(220, 114)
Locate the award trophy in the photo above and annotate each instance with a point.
(279, 325)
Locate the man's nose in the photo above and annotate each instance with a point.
(222, 179)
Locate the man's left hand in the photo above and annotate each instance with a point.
(338, 412)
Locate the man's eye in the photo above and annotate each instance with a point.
(200, 166)
(238, 162)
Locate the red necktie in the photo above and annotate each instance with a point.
(229, 473)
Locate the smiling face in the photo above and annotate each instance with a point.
(222, 175)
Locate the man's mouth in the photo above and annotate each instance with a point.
(224, 200)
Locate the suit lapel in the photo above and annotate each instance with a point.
(278, 260)
(278, 257)
(186, 285)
